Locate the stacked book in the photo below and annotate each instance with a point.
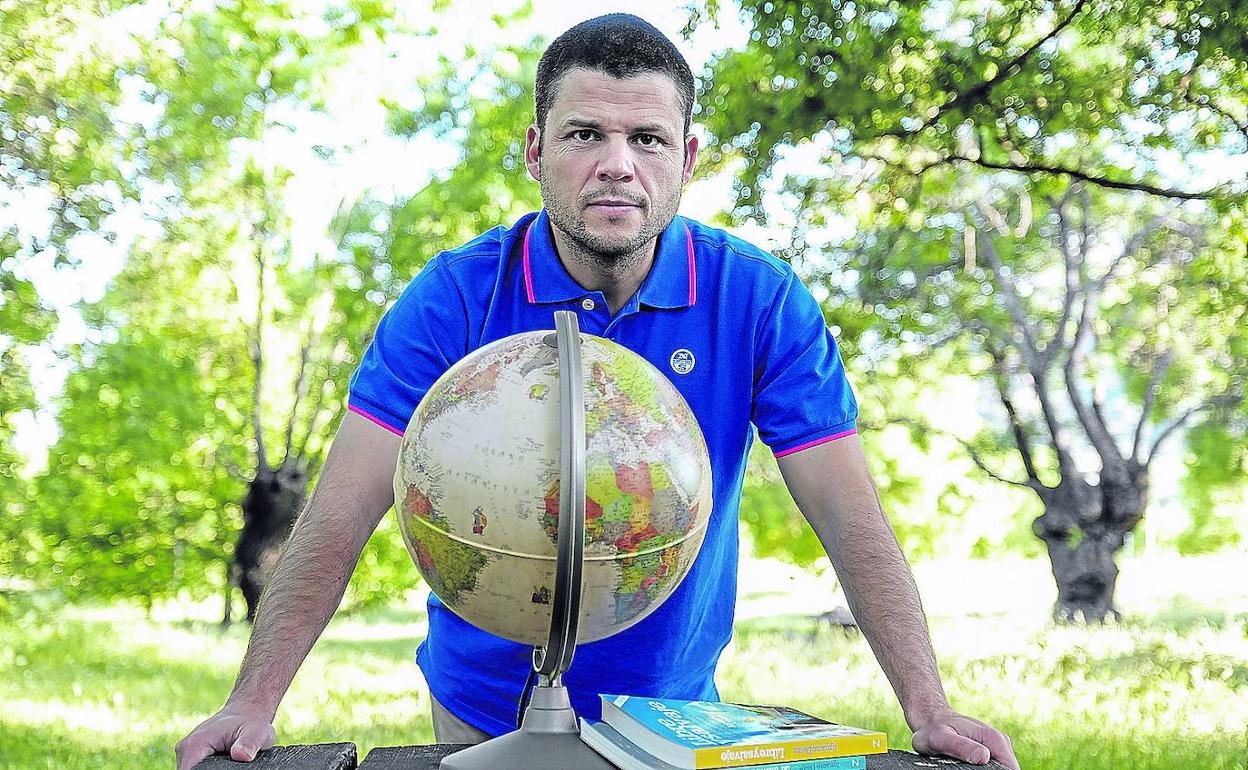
(661, 734)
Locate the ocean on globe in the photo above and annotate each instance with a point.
(477, 487)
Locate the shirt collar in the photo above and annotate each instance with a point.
(671, 282)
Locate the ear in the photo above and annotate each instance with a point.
(533, 152)
(691, 155)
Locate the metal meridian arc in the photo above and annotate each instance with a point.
(555, 658)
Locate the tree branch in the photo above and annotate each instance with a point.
(974, 453)
(1013, 303)
(975, 458)
(257, 357)
(1160, 366)
(316, 411)
(1092, 419)
(946, 338)
(1072, 276)
(313, 462)
(1012, 68)
(301, 390)
(1219, 109)
(1091, 416)
(1020, 434)
(1227, 399)
(1039, 379)
(904, 167)
(1133, 245)
(1099, 181)
(978, 92)
(233, 470)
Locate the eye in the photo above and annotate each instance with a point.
(584, 134)
(647, 140)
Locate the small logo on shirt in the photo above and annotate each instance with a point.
(682, 361)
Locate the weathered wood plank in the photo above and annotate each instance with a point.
(320, 756)
(428, 757)
(904, 760)
(408, 757)
(343, 756)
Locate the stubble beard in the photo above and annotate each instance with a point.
(596, 252)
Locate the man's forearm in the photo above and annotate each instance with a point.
(834, 489)
(885, 602)
(305, 590)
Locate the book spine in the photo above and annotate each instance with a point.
(838, 763)
(778, 753)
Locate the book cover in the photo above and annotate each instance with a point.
(704, 734)
(625, 754)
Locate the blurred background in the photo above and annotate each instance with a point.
(1024, 220)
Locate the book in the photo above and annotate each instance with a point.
(625, 754)
(698, 735)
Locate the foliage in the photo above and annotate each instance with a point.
(481, 105)
(59, 138)
(59, 155)
(220, 346)
(138, 499)
(1216, 509)
(938, 505)
(935, 158)
(25, 322)
(222, 337)
(141, 497)
(1097, 90)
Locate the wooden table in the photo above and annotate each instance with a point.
(343, 756)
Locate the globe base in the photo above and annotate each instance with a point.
(548, 739)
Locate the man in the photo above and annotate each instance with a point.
(733, 329)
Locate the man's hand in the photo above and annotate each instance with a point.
(355, 490)
(241, 731)
(970, 740)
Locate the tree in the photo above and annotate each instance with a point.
(1005, 201)
(60, 149)
(1039, 88)
(144, 502)
(220, 360)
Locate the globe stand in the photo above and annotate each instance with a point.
(548, 738)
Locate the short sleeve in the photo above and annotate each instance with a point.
(801, 395)
(417, 340)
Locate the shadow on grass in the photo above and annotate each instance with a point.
(809, 634)
(1057, 748)
(26, 747)
(1182, 615)
(89, 662)
(407, 613)
(392, 649)
(1157, 660)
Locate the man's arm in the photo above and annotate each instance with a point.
(832, 486)
(355, 490)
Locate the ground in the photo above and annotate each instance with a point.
(108, 687)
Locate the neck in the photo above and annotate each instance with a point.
(617, 277)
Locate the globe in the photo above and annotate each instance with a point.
(477, 487)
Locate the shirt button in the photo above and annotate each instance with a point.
(587, 303)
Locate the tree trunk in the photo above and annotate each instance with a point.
(273, 502)
(1083, 527)
(1086, 576)
(231, 579)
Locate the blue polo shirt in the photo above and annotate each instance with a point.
(733, 329)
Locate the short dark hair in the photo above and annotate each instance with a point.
(620, 45)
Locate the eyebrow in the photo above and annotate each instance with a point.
(578, 122)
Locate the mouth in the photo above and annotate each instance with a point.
(613, 205)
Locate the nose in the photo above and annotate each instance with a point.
(616, 163)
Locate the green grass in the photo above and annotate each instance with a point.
(87, 687)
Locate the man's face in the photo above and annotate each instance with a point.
(612, 160)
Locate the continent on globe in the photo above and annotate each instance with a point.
(478, 481)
